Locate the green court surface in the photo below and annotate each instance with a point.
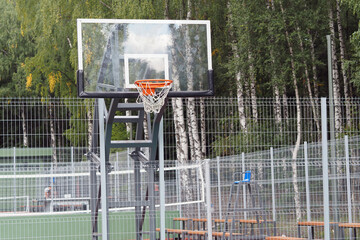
(72, 226)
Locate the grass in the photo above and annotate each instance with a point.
(72, 226)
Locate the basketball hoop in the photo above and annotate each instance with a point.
(153, 92)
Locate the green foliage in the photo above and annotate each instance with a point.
(14, 48)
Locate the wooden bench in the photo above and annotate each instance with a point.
(174, 232)
(203, 234)
(313, 224)
(284, 238)
(199, 222)
(352, 226)
(219, 235)
(252, 222)
(185, 223)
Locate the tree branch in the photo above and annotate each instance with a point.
(106, 5)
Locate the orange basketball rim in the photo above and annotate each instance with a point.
(150, 85)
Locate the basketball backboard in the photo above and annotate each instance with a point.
(114, 53)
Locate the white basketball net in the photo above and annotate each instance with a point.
(152, 102)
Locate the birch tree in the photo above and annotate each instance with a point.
(314, 108)
(298, 120)
(335, 76)
(238, 75)
(343, 67)
(193, 129)
(270, 5)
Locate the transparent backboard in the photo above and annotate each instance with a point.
(113, 54)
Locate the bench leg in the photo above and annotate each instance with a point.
(274, 228)
(354, 233)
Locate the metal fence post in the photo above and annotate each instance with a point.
(307, 187)
(73, 172)
(198, 193)
(103, 170)
(273, 184)
(14, 182)
(348, 184)
(325, 168)
(219, 186)
(162, 180)
(208, 198)
(178, 188)
(244, 186)
(116, 168)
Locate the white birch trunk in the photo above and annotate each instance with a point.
(239, 82)
(315, 76)
(180, 131)
(195, 146)
(24, 127)
(298, 124)
(203, 128)
(253, 89)
(90, 126)
(308, 84)
(128, 125)
(343, 68)
(53, 135)
(286, 107)
(277, 108)
(241, 102)
(314, 68)
(336, 81)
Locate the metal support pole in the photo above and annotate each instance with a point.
(116, 167)
(178, 188)
(52, 187)
(103, 170)
(162, 180)
(93, 169)
(14, 182)
(152, 210)
(307, 187)
(244, 186)
(93, 199)
(137, 186)
(129, 174)
(208, 199)
(198, 193)
(73, 171)
(219, 186)
(325, 169)
(273, 183)
(348, 184)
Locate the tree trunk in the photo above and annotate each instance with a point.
(253, 88)
(314, 68)
(240, 101)
(52, 134)
(180, 133)
(191, 113)
(203, 128)
(336, 81)
(90, 127)
(308, 84)
(239, 82)
(315, 76)
(298, 124)
(24, 127)
(277, 108)
(343, 68)
(286, 107)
